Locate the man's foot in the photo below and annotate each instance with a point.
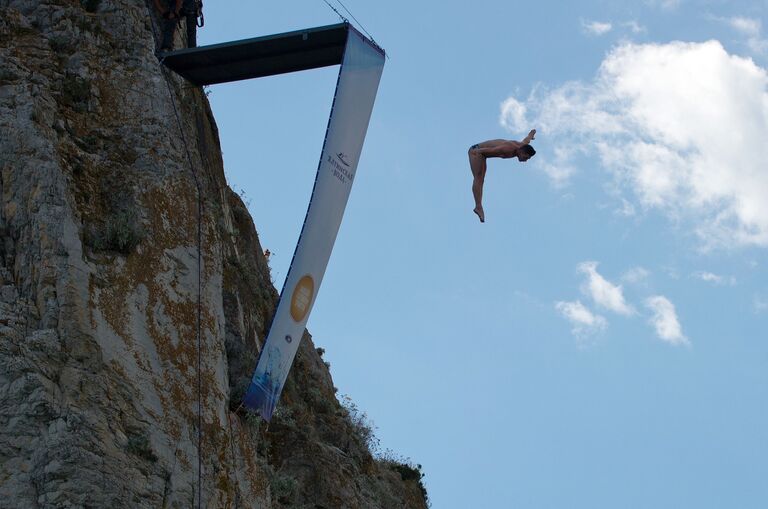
(480, 213)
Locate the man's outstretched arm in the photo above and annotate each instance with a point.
(530, 137)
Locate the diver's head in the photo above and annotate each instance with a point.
(525, 152)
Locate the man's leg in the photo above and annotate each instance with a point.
(168, 25)
(191, 31)
(190, 14)
(478, 166)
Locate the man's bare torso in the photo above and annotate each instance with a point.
(502, 148)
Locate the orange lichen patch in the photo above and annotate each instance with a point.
(119, 369)
(184, 461)
(228, 450)
(179, 392)
(210, 388)
(173, 429)
(168, 224)
(181, 350)
(177, 401)
(181, 354)
(246, 451)
(223, 483)
(182, 416)
(114, 309)
(172, 216)
(141, 362)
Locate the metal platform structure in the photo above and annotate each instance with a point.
(261, 56)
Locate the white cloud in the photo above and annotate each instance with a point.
(512, 115)
(665, 4)
(635, 275)
(760, 304)
(627, 209)
(584, 322)
(709, 277)
(603, 292)
(671, 272)
(681, 127)
(561, 169)
(752, 29)
(748, 26)
(596, 27)
(634, 26)
(665, 320)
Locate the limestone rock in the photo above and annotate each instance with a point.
(102, 208)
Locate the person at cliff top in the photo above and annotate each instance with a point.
(505, 149)
(173, 11)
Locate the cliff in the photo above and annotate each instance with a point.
(106, 272)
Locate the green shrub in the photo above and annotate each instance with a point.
(283, 488)
(121, 233)
(318, 401)
(253, 421)
(284, 416)
(362, 426)
(408, 470)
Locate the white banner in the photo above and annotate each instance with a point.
(356, 88)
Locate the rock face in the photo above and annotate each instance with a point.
(119, 240)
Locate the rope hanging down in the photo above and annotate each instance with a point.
(199, 294)
(199, 268)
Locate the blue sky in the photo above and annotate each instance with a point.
(600, 341)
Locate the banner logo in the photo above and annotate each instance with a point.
(342, 170)
(342, 157)
(302, 298)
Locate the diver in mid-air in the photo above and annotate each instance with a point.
(504, 149)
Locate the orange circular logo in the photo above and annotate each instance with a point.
(302, 298)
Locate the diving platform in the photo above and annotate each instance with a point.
(361, 62)
(261, 56)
